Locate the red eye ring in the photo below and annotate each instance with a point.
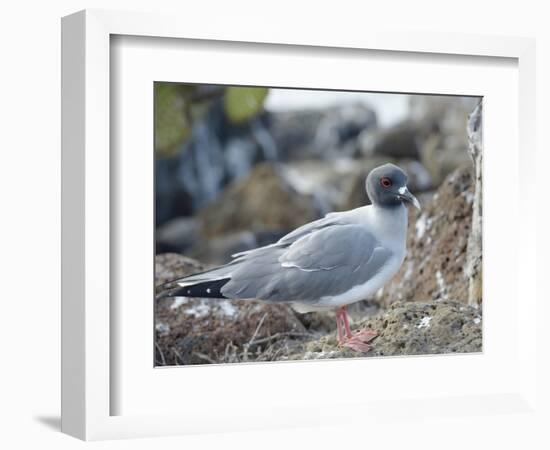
(385, 182)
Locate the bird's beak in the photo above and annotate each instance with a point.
(405, 194)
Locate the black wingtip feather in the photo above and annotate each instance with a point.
(206, 289)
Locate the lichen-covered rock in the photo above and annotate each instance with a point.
(410, 329)
(426, 328)
(262, 201)
(437, 244)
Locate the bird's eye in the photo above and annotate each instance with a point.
(385, 182)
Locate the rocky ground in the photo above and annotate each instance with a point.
(423, 310)
(409, 329)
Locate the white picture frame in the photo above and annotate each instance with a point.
(89, 331)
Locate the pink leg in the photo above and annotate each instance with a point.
(341, 320)
(345, 319)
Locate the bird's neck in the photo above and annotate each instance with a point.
(390, 221)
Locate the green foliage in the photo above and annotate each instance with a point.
(243, 103)
(171, 123)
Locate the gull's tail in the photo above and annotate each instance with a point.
(207, 284)
(203, 289)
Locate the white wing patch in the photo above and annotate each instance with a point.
(288, 264)
(186, 282)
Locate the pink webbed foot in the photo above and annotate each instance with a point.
(365, 335)
(358, 341)
(356, 345)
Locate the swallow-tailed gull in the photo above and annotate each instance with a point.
(327, 264)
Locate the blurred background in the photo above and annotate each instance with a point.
(238, 167)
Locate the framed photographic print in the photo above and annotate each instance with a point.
(254, 219)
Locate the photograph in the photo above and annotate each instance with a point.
(305, 224)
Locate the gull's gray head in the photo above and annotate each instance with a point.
(387, 186)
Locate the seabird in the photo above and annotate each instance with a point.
(327, 264)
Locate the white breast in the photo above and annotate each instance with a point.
(390, 227)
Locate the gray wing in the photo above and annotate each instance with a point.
(325, 262)
(327, 221)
